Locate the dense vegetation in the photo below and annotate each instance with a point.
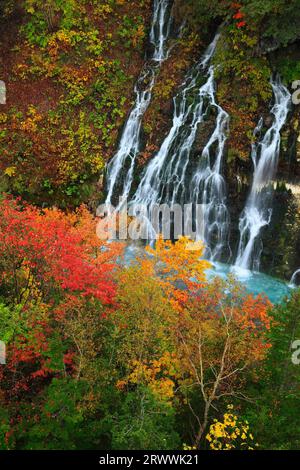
(70, 76)
(96, 359)
(70, 68)
(152, 356)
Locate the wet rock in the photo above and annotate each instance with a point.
(268, 120)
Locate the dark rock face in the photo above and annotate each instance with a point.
(281, 254)
(267, 45)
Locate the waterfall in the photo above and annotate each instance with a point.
(258, 210)
(169, 177)
(208, 186)
(130, 139)
(120, 169)
(293, 281)
(160, 29)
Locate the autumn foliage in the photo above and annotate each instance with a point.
(52, 268)
(239, 15)
(118, 350)
(184, 338)
(47, 250)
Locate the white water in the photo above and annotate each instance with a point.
(160, 29)
(293, 281)
(258, 210)
(167, 179)
(208, 185)
(122, 165)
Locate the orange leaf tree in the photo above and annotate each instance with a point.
(185, 338)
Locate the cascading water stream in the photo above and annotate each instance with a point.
(258, 210)
(295, 276)
(209, 189)
(123, 163)
(160, 29)
(167, 179)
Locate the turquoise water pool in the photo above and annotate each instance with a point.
(255, 283)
